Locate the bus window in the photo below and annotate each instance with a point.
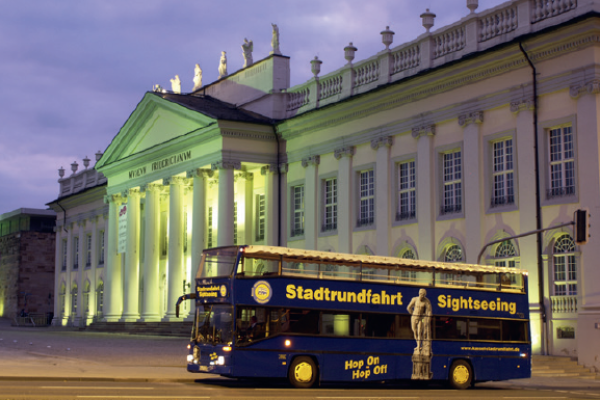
(304, 321)
(372, 273)
(258, 266)
(342, 324)
(514, 331)
(450, 328)
(380, 325)
(217, 262)
(484, 329)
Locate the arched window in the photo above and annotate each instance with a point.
(86, 297)
(565, 268)
(100, 299)
(505, 253)
(453, 254)
(408, 254)
(74, 299)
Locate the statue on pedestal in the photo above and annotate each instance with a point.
(275, 40)
(420, 321)
(247, 48)
(197, 78)
(176, 85)
(223, 65)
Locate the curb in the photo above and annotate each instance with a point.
(91, 379)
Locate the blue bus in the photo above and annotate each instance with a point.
(313, 316)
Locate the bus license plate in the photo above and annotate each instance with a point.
(204, 368)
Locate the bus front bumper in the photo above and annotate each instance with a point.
(209, 369)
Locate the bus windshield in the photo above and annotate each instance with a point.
(213, 324)
(218, 262)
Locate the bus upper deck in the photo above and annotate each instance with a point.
(255, 261)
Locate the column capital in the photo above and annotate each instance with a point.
(283, 168)
(151, 187)
(130, 192)
(346, 151)
(425, 130)
(472, 117)
(113, 198)
(386, 141)
(248, 176)
(591, 87)
(311, 160)
(80, 222)
(200, 173)
(521, 105)
(269, 168)
(174, 180)
(226, 165)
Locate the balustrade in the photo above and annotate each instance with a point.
(564, 304)
(507, 22)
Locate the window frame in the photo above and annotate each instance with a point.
(75, 265)
(544, 156)
(101, 247)
(356, 203)
(568, 280)
(490, 141)
(322, 193)
(294, 235)
(396, 162)
(260, 217)
(439, 168)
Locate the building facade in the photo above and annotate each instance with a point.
(472, 133)
(80, 246)
(27, 263)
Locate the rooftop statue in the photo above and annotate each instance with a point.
(197, 78)
(223, 65)
(275, 40)
(247, 48)
(176, 85)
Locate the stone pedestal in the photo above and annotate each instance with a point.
(422, 363)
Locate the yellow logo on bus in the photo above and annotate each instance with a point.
(223, 290)
(262, 292)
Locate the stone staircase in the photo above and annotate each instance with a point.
(177, 329)
(563, 367)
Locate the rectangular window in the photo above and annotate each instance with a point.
(298, 210)
(101, 249)
(565, 275)
(209, 233)
(164, 239)
(562, 163)
(407, 194)
(88, 251)
(366, 212)
(235, 223)
(503, 175)
(75, 252)
(330, 204)
(260, 217)
(452, 173)
(100, 299)
(64, 254)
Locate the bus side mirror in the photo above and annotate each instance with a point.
(188, 296)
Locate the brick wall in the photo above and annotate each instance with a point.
(26, 267)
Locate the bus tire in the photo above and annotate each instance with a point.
(303, 372)
(461, 375)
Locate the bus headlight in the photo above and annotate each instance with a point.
(190, 358)
(220, 360)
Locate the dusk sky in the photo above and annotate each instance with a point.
(72, 71)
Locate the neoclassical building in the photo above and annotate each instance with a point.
(475, 132)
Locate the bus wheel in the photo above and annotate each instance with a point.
(303, 372)
(461, 375)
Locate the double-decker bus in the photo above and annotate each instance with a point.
(314, 316)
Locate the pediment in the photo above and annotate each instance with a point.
(153, 122)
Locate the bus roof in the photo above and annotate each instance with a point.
(325, 256)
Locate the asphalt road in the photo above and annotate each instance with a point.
(225, 389)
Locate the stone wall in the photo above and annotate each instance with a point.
(26, 268)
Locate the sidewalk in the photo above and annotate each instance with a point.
(69, 355)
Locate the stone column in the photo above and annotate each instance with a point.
(587, 167)
(68, 283)
(523, 110)
(226, 200)
(345, 197)
(311, 228)
(472, 167)
(132, 257)
(113, 282)
(151, 297)
(175, 266)
(57, 274)
(94, 264)
(249, 226)
(200, 177)
(271, 203)
(426, 212)
(77, 318)
(383, 216)
(281, 219)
